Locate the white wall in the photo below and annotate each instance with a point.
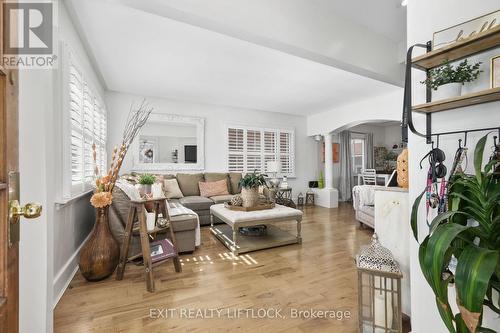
(384, 107)
(383, 136)
(425, 17)
(216, 119)
(49, 245)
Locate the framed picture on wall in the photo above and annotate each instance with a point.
(495, 72)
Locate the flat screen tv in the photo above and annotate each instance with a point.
(190, 154)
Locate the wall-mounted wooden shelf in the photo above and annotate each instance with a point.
(485, 96)
(481, 42)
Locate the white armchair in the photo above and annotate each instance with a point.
(363, 201)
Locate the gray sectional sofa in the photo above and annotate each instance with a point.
(183, 226)
(188, 184)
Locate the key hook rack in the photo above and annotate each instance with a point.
(426, 63)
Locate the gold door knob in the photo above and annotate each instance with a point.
(30, 210)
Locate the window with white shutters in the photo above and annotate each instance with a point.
(87, 127)
(249, 149)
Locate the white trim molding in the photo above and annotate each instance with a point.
(66, 274)
(174, 119)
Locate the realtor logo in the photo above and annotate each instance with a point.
(29, 39)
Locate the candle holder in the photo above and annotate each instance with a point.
(379, 290)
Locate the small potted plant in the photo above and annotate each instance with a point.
(146, 180)
(250, 188)
(447, 81)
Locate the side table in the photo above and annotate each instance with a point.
(137, 209)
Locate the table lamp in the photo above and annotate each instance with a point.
(273, 167)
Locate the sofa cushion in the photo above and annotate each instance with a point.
(210, 189)
(184, 222)
(215, 176)
(171, 189)
(222, 198)
(196, 203)
(234, 179)
(189, 183)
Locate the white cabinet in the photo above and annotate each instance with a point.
(392, 226)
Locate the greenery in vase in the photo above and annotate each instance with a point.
(463, 72)
(253, 180)
(321, 180)
(468, 234)
(147, 179)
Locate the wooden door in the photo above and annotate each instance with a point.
(9, 253)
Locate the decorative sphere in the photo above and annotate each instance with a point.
(237, 200)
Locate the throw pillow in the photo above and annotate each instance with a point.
(211, 189)
(171, 189)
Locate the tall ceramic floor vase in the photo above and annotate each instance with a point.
(101, 253)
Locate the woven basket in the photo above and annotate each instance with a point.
(250, 196)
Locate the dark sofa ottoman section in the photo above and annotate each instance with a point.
(189, 183)
(196, 203)
(183, 226)
(204, 216)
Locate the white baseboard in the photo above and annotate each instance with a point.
(65, 275)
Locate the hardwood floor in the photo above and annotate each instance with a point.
(318, 274)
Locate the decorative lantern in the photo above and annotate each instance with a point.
(379, 290)
(300, 199)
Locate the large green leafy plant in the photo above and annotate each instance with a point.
(253, 180)
(468, 234)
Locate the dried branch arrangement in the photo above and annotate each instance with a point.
(137, 117)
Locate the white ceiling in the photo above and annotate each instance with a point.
(151, 55)
(385, 17)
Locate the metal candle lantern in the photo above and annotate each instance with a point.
(300, 199)
(379, 290)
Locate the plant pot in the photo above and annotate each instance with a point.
(100, 254)
(469, 88)
(250, 196)
(448, 90)
(145, 189)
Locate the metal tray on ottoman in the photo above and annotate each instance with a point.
(229, 235)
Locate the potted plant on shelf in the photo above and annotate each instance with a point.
(250, 188)
(463, 246)
(146, 180)
(447, 81)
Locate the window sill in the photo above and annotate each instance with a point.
(66, 201)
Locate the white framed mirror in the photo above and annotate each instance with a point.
(169, 142)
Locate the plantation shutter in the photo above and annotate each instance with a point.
(88, 133)
(235, 141)
(76, 123)
(286, 153)
(249, 149)
(254, 151)
(269, 148)
(88, 127)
